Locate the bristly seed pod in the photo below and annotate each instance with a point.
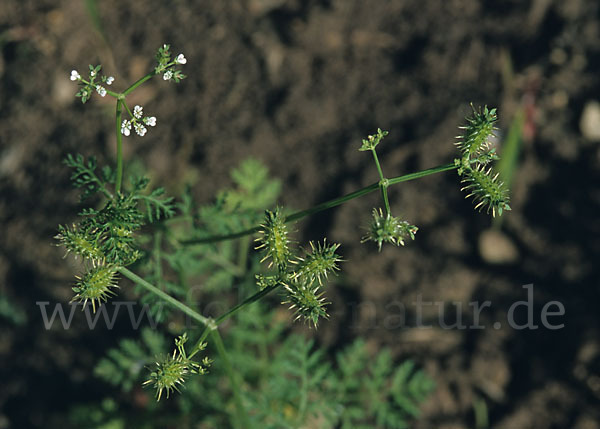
(96, 285)
(486, 190)
(388, 229)
(318, 263)
(274, 240)
(307, 302)
(171, 372)
(79, 242)
(479, 128)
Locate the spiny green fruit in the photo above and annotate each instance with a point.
(274, 240)
(485, 188)
(388, 229)
(480, 127)
(319, 262)
(96, 285)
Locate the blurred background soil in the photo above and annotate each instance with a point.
(297, 84)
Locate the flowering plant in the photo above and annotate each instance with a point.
(107, 238)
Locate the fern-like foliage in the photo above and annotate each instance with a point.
(156, 203)
(254, 190)
(84, 176)
(375, 392)
(125, 365)
(292, 393)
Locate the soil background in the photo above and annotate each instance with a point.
(297, 84)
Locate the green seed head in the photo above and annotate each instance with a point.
(318, 263)
(274, 240)
(96, 285)
(388, 229)
(485, 188)
(307, 302)
(475, 138)
(79, 242)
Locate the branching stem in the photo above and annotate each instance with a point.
(165, 297)
(326, 205)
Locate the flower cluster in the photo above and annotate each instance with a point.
(91, 84)
(302, 277)
(138, 122)
(371, 142)
(480, 181)
(171, 371)
(389, 229)
(165, 65)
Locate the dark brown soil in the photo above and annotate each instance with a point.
(297, 84)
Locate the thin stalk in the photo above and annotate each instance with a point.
(386, 201)
(379, 170)
(242, 417)
(205, 333)
(214, 323)
(326, 205)
(249, 300)
(138, 83)
(165, 297)
(383, 183)
(119, 147)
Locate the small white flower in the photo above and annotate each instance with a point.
(126, 127)
(138, 111)
(93, 73)
(180, 59)
(140, 129)
(165, 46)
(101, 90)
(110, 80)
(75, 75)
(150, 121)
(168, 75)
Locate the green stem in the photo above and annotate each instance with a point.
(383, 183)
(119, 147)
(242, 417)
(165, 297)
(214, 323)
(127, 108)
(379, 170)
(205, 333)
(326, 205)
(138, 83)
(249, 300)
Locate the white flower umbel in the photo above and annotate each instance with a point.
(93, 73)
(138, 111)
(140, 129)
(101, 90)
(126, 127)
(75, 75)
(150, 121)
(168, 75)
(110, 80)
(180, 59)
